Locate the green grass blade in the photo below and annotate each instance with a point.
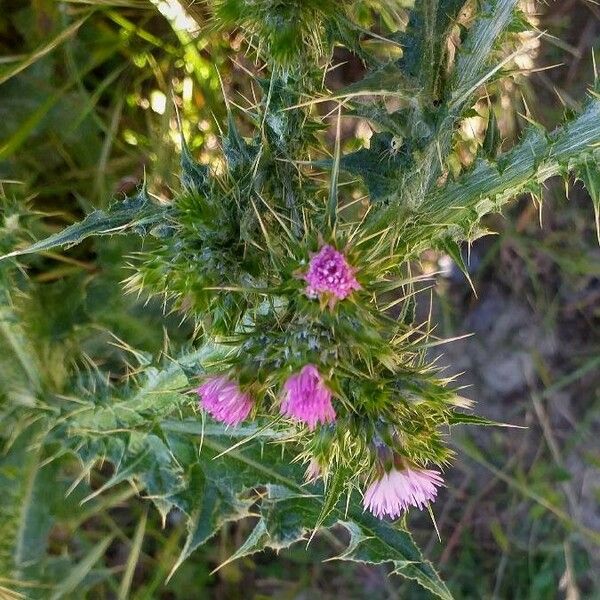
(81, 570)
(43, 50)
(133, 558)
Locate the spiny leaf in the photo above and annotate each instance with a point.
(194, 176)
(289, 511)
(336, 485)
(376, 542)
(425, 38)
(458, 418)
(536, 157)
(589, 173)
(378, 166)
(24, 512)
(286, 518)
(453, 250)
(257, 541)
(493, 17)
(238, 152)
(132, 215)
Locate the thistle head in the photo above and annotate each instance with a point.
(224, 400)
(307, 399)
(330, 275)
(394, 492)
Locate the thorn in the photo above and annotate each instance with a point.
(226, 100)
(429, 509)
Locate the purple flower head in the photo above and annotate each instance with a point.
(397, 490)
(224, 401)
(329, 273)
(307, 398)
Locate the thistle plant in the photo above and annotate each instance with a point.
(309, 387)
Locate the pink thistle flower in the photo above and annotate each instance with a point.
(397, 490)
(313, 471)
(307, 398)
(329, 273)
(224, 401)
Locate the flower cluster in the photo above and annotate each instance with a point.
(307, 399)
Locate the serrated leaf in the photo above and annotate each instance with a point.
(147, 460)
(238, 152)
(589, 173)
(471, 66)
(377, 166)
(33, 501)
(378, 114)
(289, 511)
(376, 542)
(132, 215)
(158, 395)
(425, 38)
(336, 486)
(538, 156)
(161, 388)
(24, 513)
(257, 541)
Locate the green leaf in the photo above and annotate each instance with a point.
(492, 140)
(537, 157)
(290, 511)
(133, 214)
(20, 376)
(589, 173)
(33, 501)
(458, 418)
(336, 486)
(377, 166)
(194, 176)
(453, 250)
(24, 507)
(257, 541)
(472, 61)
(238, 152)
(377, 113)
(374, 541)
(289, 517)
(425, 40)
(388, 79)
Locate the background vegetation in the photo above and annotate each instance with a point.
(86, 113)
